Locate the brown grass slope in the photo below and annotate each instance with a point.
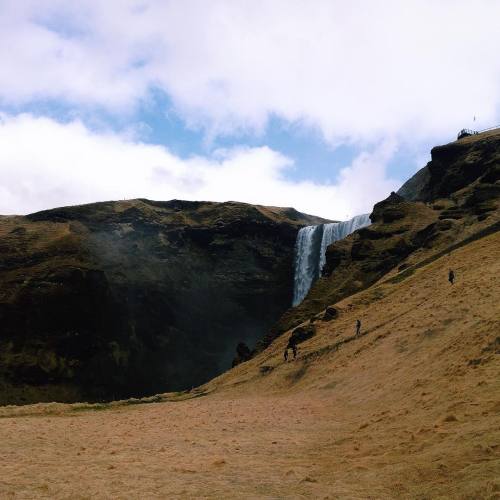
(411, 409)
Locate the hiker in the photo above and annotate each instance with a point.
(292, 344)
(451, 276)
(358, 328)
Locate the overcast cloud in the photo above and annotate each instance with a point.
(374, 74)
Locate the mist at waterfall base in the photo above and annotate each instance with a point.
(310, 251)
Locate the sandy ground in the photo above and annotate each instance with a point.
(411, 409)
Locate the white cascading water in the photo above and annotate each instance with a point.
(338, 230)
(310, 251)
(306, 265)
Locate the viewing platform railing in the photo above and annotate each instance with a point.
(466, 132)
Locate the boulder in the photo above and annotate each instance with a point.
(243, 353)
(388, 210)
(303, 333)
(330, 313)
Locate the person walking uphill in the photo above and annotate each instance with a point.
(292, 344)
(451, 276)
(358, 328)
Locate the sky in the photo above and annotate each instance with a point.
(325, 106)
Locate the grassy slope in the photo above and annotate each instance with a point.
(409, 410)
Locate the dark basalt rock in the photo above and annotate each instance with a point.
(361, 249)
(412, 189)
(485, 207)
(483, 192)
(454, 167)
(303, 333)
(330, 314)
(243, 353)
(388, 210)
(432, 233)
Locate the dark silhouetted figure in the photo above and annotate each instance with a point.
(358, 327)
(292, 344)
(451, 276)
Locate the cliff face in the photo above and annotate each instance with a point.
(456, 166)
(137, 297)
(455, 197)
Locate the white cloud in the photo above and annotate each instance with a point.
(377, 74)
(44, 164)
(359, 71)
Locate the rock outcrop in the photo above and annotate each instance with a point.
(243, 353)
(133, 298)
(456, 166)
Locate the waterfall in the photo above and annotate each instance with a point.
(339, 230)
(307, 269)
(310, 251)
